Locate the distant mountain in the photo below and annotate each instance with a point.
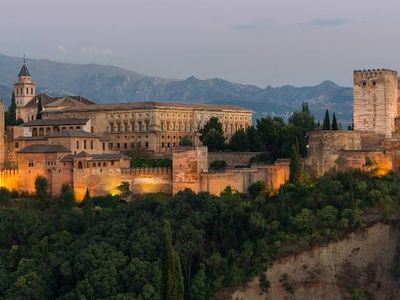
(112, 84)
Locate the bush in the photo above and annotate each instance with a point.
(256, 188)
(218, 165)
(5, 196)
(186, 141)
(262, 158)
(41, 185)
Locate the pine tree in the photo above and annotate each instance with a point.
(318, 124)
(171, 274)
(39, 109)
(334, 122)
(295, 165)
(13, 111)
(327, 123)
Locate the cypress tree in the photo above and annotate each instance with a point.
(295, 165)
(171, 274)
(327, 123)
(13, 110)
(334, 122)
(39, 109)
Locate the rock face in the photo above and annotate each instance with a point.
(363, 261)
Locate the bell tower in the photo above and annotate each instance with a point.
(24, 87)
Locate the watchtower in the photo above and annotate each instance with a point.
(375, 100)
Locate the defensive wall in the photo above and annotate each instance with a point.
(232, 159)
(273, 175)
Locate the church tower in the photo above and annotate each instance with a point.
(24, 87)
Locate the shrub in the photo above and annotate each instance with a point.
(41, 185)
(5, 196)
(256, 188)
(218, 165)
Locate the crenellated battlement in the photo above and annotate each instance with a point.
(146, 171)
(362, 76)
(9, 172)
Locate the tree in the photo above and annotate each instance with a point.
(334, 122)
(39, 109)
(41, 185)
(186, 141)
(67, 196)
(256, 188)
(255, 142)
(171, 287)
(13, 110)
(212, 135)
(239, 141)
(5, 196)
(327, 123)
(124, 189)
(295, 165)
(218, 165)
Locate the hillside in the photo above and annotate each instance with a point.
(112, 84)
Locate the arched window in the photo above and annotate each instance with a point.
(34, 132)
(77, 144)
(80, 165)
(27, 90)
(31, 91)
(41, 131)
(48, 130)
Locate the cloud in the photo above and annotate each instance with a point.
(62, 49)
(96, 51)
(254, 26)
(333, 22)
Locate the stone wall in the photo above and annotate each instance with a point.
(232, 159)
(273, 175)
(380, 162)
(324, 147)
(103, 181)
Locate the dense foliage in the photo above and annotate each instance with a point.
(106, 249)
(271, 135)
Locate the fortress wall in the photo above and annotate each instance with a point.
(104, 181)
(11, 179)
(240, 179)
(232, 159)
(383, 161)
(324, 147)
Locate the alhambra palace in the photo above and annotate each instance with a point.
(81, 143)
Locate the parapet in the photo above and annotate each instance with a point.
(371, 74)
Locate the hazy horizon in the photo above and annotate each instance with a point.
(253, 42)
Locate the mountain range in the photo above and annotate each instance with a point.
(103, 84)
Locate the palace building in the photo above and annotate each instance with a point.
(80, 143)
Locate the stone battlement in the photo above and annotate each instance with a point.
(373, 73)
(146, 171)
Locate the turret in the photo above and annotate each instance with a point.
(24, 87)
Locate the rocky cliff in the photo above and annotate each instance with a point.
(359, 266)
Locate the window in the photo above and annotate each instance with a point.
(104, 146)
(110, 145)
(77, 144)
(17, 145)
(125, 145)
(118, 145)
(147, 145)
(112, 163)
(30, 163)
(84, 144)
(91, 144)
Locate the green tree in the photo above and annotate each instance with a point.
(41, 185)
(5, 196)
(272, 132)
(254, 140)
(186, 141)
(198, 290)
(334, 122)
(326, 125)
(218, 165)
(256, 188)
(295, 165)
(171, 287)
(124, 189)
(212, 135)
(67, 196)
(13, 111)
(39, 109)
(239, 141)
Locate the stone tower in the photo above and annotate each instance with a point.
(24, 87)
(375, 100)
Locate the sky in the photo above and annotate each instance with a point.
(261, 42)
